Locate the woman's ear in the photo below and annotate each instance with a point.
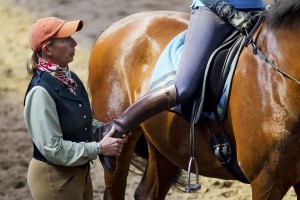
(47, 50)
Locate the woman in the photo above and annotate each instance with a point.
(210, 22)
(58, 117)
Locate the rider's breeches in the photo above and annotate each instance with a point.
(53, 182)
(205, 32)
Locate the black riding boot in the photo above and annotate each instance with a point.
(242, 21)
(154, 102)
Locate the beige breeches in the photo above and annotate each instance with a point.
(53, 182)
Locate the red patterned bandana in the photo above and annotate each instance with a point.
(63, 74)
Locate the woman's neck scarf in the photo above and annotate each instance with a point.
(63, 74)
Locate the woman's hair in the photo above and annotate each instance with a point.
(32, 63)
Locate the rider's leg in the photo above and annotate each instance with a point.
(204, 34)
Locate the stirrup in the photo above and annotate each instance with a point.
(191, 188)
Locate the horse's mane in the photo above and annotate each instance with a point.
(284, 13)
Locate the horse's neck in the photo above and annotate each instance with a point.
(284, 42)
(281, 47)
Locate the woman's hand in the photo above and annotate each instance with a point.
(110, 146)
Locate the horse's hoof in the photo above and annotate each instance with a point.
(108, 163)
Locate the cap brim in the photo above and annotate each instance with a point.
(69, 28)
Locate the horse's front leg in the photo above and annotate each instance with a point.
(116, 183)
(267, 187)
(159, 176)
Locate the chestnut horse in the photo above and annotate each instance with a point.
(262, 119)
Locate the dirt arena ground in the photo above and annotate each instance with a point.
(16, 17)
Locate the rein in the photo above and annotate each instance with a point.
(257, 51)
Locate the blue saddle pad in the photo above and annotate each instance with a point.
(167, 63)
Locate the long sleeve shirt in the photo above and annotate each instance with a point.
(43, 126)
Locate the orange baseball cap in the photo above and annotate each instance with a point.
(43, 30)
